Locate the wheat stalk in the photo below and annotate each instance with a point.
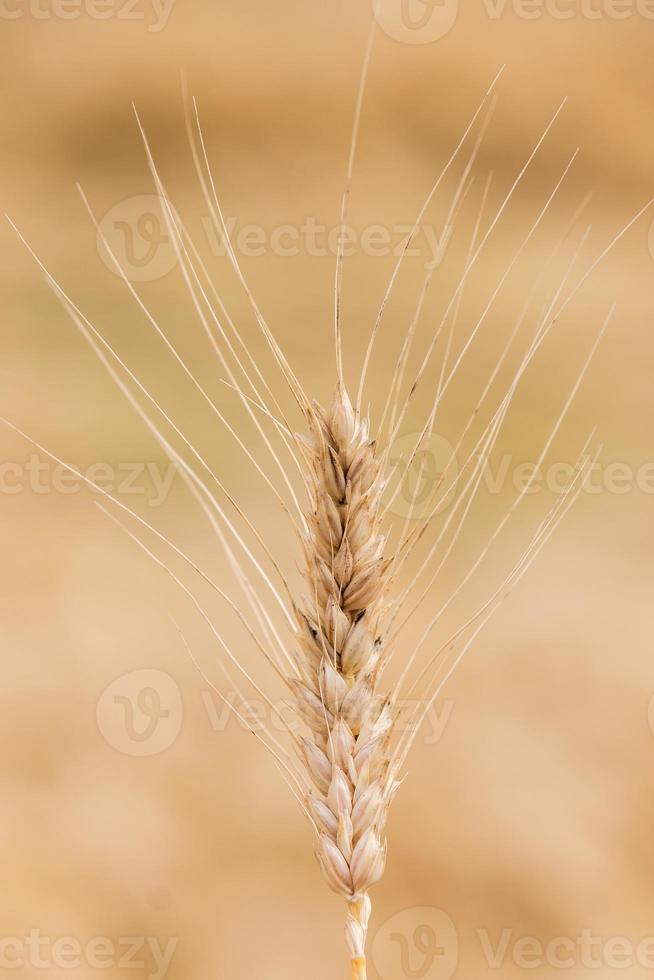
(346, 767)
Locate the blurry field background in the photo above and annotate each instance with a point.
(533, 811)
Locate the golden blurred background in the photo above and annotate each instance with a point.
(133, 806)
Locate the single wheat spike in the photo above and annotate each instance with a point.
(338, 658)
(351, 757)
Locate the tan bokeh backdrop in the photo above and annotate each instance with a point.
(533, 812)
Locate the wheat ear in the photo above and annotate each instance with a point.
(338, 657)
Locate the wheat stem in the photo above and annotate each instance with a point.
(359, 968)
(356, 929)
